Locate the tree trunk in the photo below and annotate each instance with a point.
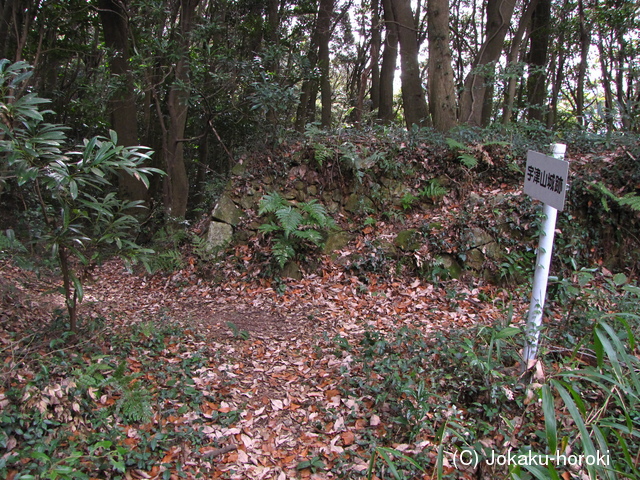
(376, 43)
(324, 61)
(5, 26)
(606, 85)
(389, 61)
(177, 182)
(585, 42)
(557, 66)
(537, 60)
(413, 100)
(124, 122)
(442, 93)
(513, 69)
(477, 97)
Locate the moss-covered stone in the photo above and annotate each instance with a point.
(291, 270)
(356, 203)
(336, 241)
(226, 211)
(408, 240)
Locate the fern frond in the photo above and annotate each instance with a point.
(322, 153)
(316, 212)
(468, 160)
(271, 202)
(631, 200)
(290, 219)
(311, 235)
(455, 145)
(282, 251)
(269, 227)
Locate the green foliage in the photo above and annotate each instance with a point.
(466, 384)
(84, 437)
(293, 228)
(466, 158)
(237, 332)
(388, 454)
(433, 190)
(630, 200)
(315, 464)
(84, 219)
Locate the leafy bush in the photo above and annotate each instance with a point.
(84, 220)
(293, 228)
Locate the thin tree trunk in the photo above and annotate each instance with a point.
(585, 42)
(177, 182)
(442, 95)
(389, 61)
(514, 57)
(477, 97)
(537, 59)
(557, 66)
(324, 60)
(606, 86)
(122, 103)
(70, 294)
(413, 99)
(376, 43)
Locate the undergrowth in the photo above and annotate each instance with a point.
(101, 410)
(454, 402)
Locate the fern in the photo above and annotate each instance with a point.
(311, 235)
(455, 145)
(322, 153)
(135, 404)
(468, 160)
(290, 219)
(270, 203)
(269, 227)
(292, 227)
(317, 213)
(282, 251)
(433, 190)
(630, 200)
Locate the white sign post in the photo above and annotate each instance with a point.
(546, 179)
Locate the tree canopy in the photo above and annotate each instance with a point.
(195, 79)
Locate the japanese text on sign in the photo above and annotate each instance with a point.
(546, 178)
(551, 181)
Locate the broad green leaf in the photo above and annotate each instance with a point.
(576, 415)
(77, 285)
(548, 409)
(507, 332)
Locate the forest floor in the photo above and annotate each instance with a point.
(236, 377)
(270, 362)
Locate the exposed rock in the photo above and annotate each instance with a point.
(358, 203)
(249, 199)
(290, 195)
(291, 270)
(336, 241)
(454, 269)
(219, 235)
(397, 191)
(408, 240)
(226, 211)
(482, 246)
(238, 169)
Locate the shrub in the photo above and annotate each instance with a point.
(84, 220)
